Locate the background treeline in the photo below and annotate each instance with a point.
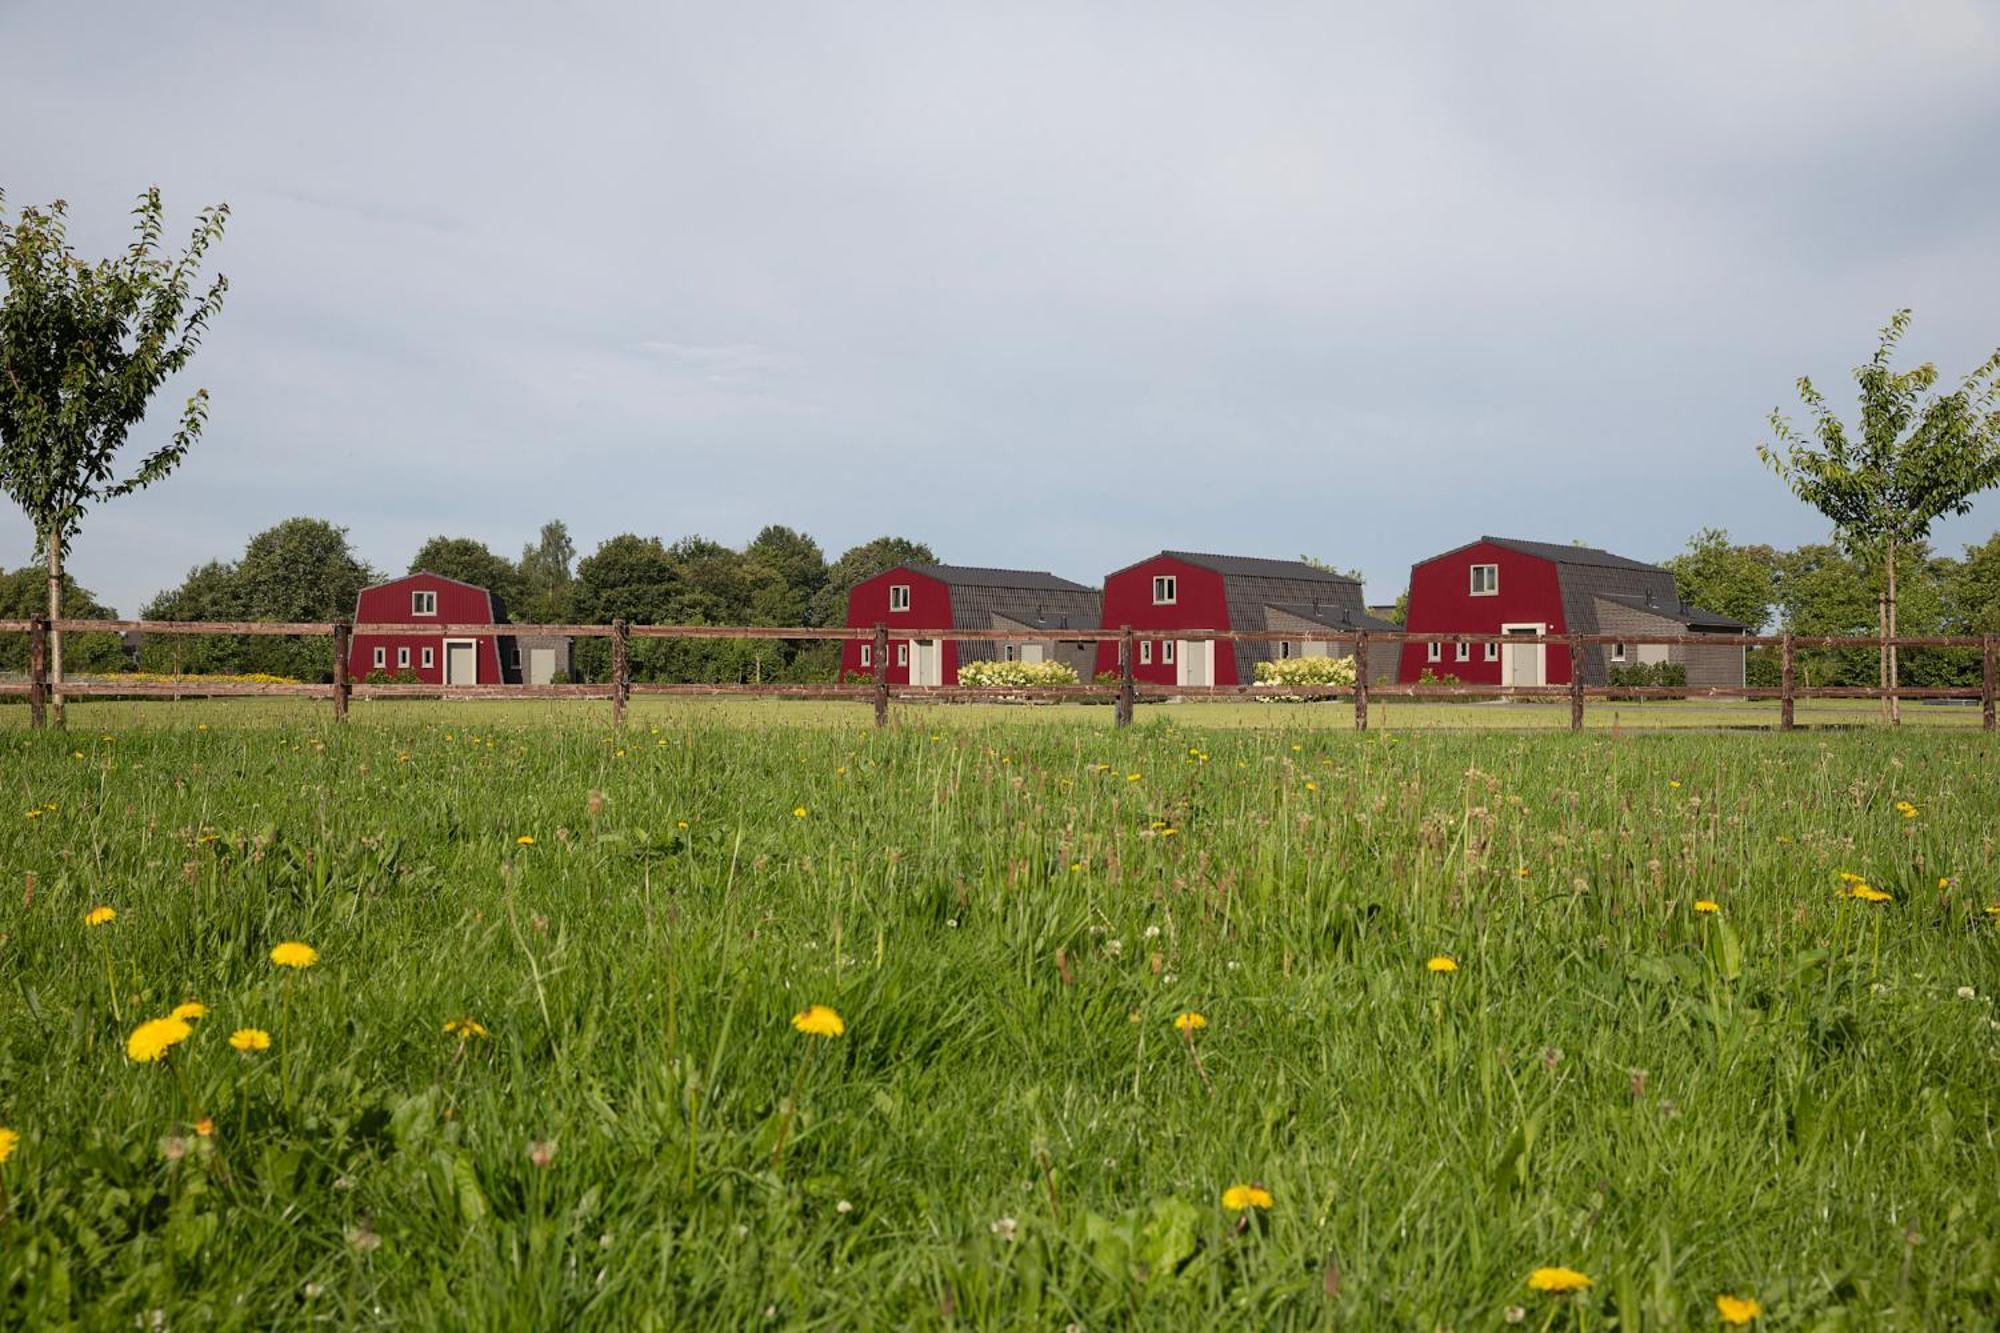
(305, 570)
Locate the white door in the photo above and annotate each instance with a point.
(1194, 662)
(541, 665)
(1522, 663)
(926, 668)
(461, 663)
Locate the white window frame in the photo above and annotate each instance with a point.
(1492, 652)
(1166, 589)
(1284, 649)
(1492, 589)
(402, 658)
(868, 654)
(423, 602)
(381, 657)
(1434, 652)
(1145, 652)
(899, 597)
(1166, 652)
(430, 657)
(902, 654)
(1617, 652)
(1462, 652)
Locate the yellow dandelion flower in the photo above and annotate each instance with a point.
(1557, 1281)
(247, 1040)
(1906, 810)
(1312, 786)
(1673, 784)
(98, 916)
(798, 812)
(1869, 894)
(1994, 911)
(1189, 1022)
(192, 1009)
(1737, 1309)
(1706, 906)
(1242, 1198)
(466, 1028)
(817, 1020)
(152, 1039)
(294, 954)
(525, 840)
(9, 1141)
(1443, 963)
(205, 1126)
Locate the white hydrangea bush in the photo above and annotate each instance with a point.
(1016, 675)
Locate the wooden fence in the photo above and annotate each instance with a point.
(1125, 694)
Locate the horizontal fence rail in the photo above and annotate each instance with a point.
(41, 688)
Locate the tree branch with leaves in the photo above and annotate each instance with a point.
(1918, 456)
(83, 349)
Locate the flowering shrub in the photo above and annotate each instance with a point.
(1016, 675)
(1307, 671)
(166, 678)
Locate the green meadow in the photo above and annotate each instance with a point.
(543, 1070)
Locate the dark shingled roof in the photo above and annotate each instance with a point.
(973, 576)
(1683, 612)
(1569, 555)
(1246, 566)
(1333, 617)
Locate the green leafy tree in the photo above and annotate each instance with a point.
(83, 349)
(470, 561)
(23, 593)
(631, 578)
(788, 569)
(1973, 592)
(1717, 575)
(547, 578)
(857, 564)
(210, 592)
(1918, 456)
(301, 570)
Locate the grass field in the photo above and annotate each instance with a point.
(1789, 1099)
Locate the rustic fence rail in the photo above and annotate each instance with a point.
(42, 691)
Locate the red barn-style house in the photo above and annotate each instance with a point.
(1498, 585)
(933, 597)
(1183, 590)
(429, 599)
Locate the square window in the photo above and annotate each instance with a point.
(402, 657)
(902, 654)
(429, 660)
(1464, 653)
(1485, 580)
(1167, 650)
(867, 654)
(1434, 652)
(899, 597)
(1145, 652)
(423, 603)
(1166, 590)
(381, 657)
(1492, 652)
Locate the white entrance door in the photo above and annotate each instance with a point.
(541, 665)
(1194, 662)
(926, 663)
(461, 663)
(1523, 663)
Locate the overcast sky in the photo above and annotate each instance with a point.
(1050, 286)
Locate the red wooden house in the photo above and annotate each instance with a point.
(935, 597)
(436, 659)
(1502, 586)
(1183, 590)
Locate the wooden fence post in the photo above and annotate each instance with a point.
(621, 672)
(1575, 683)
(343, 684)
(881, 675)
(1986, 674)
(1787, 683)
(1361, 679)
(1127, 651)
(38, 671)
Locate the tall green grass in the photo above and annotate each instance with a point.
(1789, 1098)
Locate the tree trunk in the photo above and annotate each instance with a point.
(1895, 677)
(55, 635)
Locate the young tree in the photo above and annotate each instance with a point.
(1738, 581)
(1919, 457)
(83, 348)
(547, 585)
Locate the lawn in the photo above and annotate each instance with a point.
(1785, 1099)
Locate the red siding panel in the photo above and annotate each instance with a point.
(868, 606)
(389, 604)
(1200, 604)
(1441, 602)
